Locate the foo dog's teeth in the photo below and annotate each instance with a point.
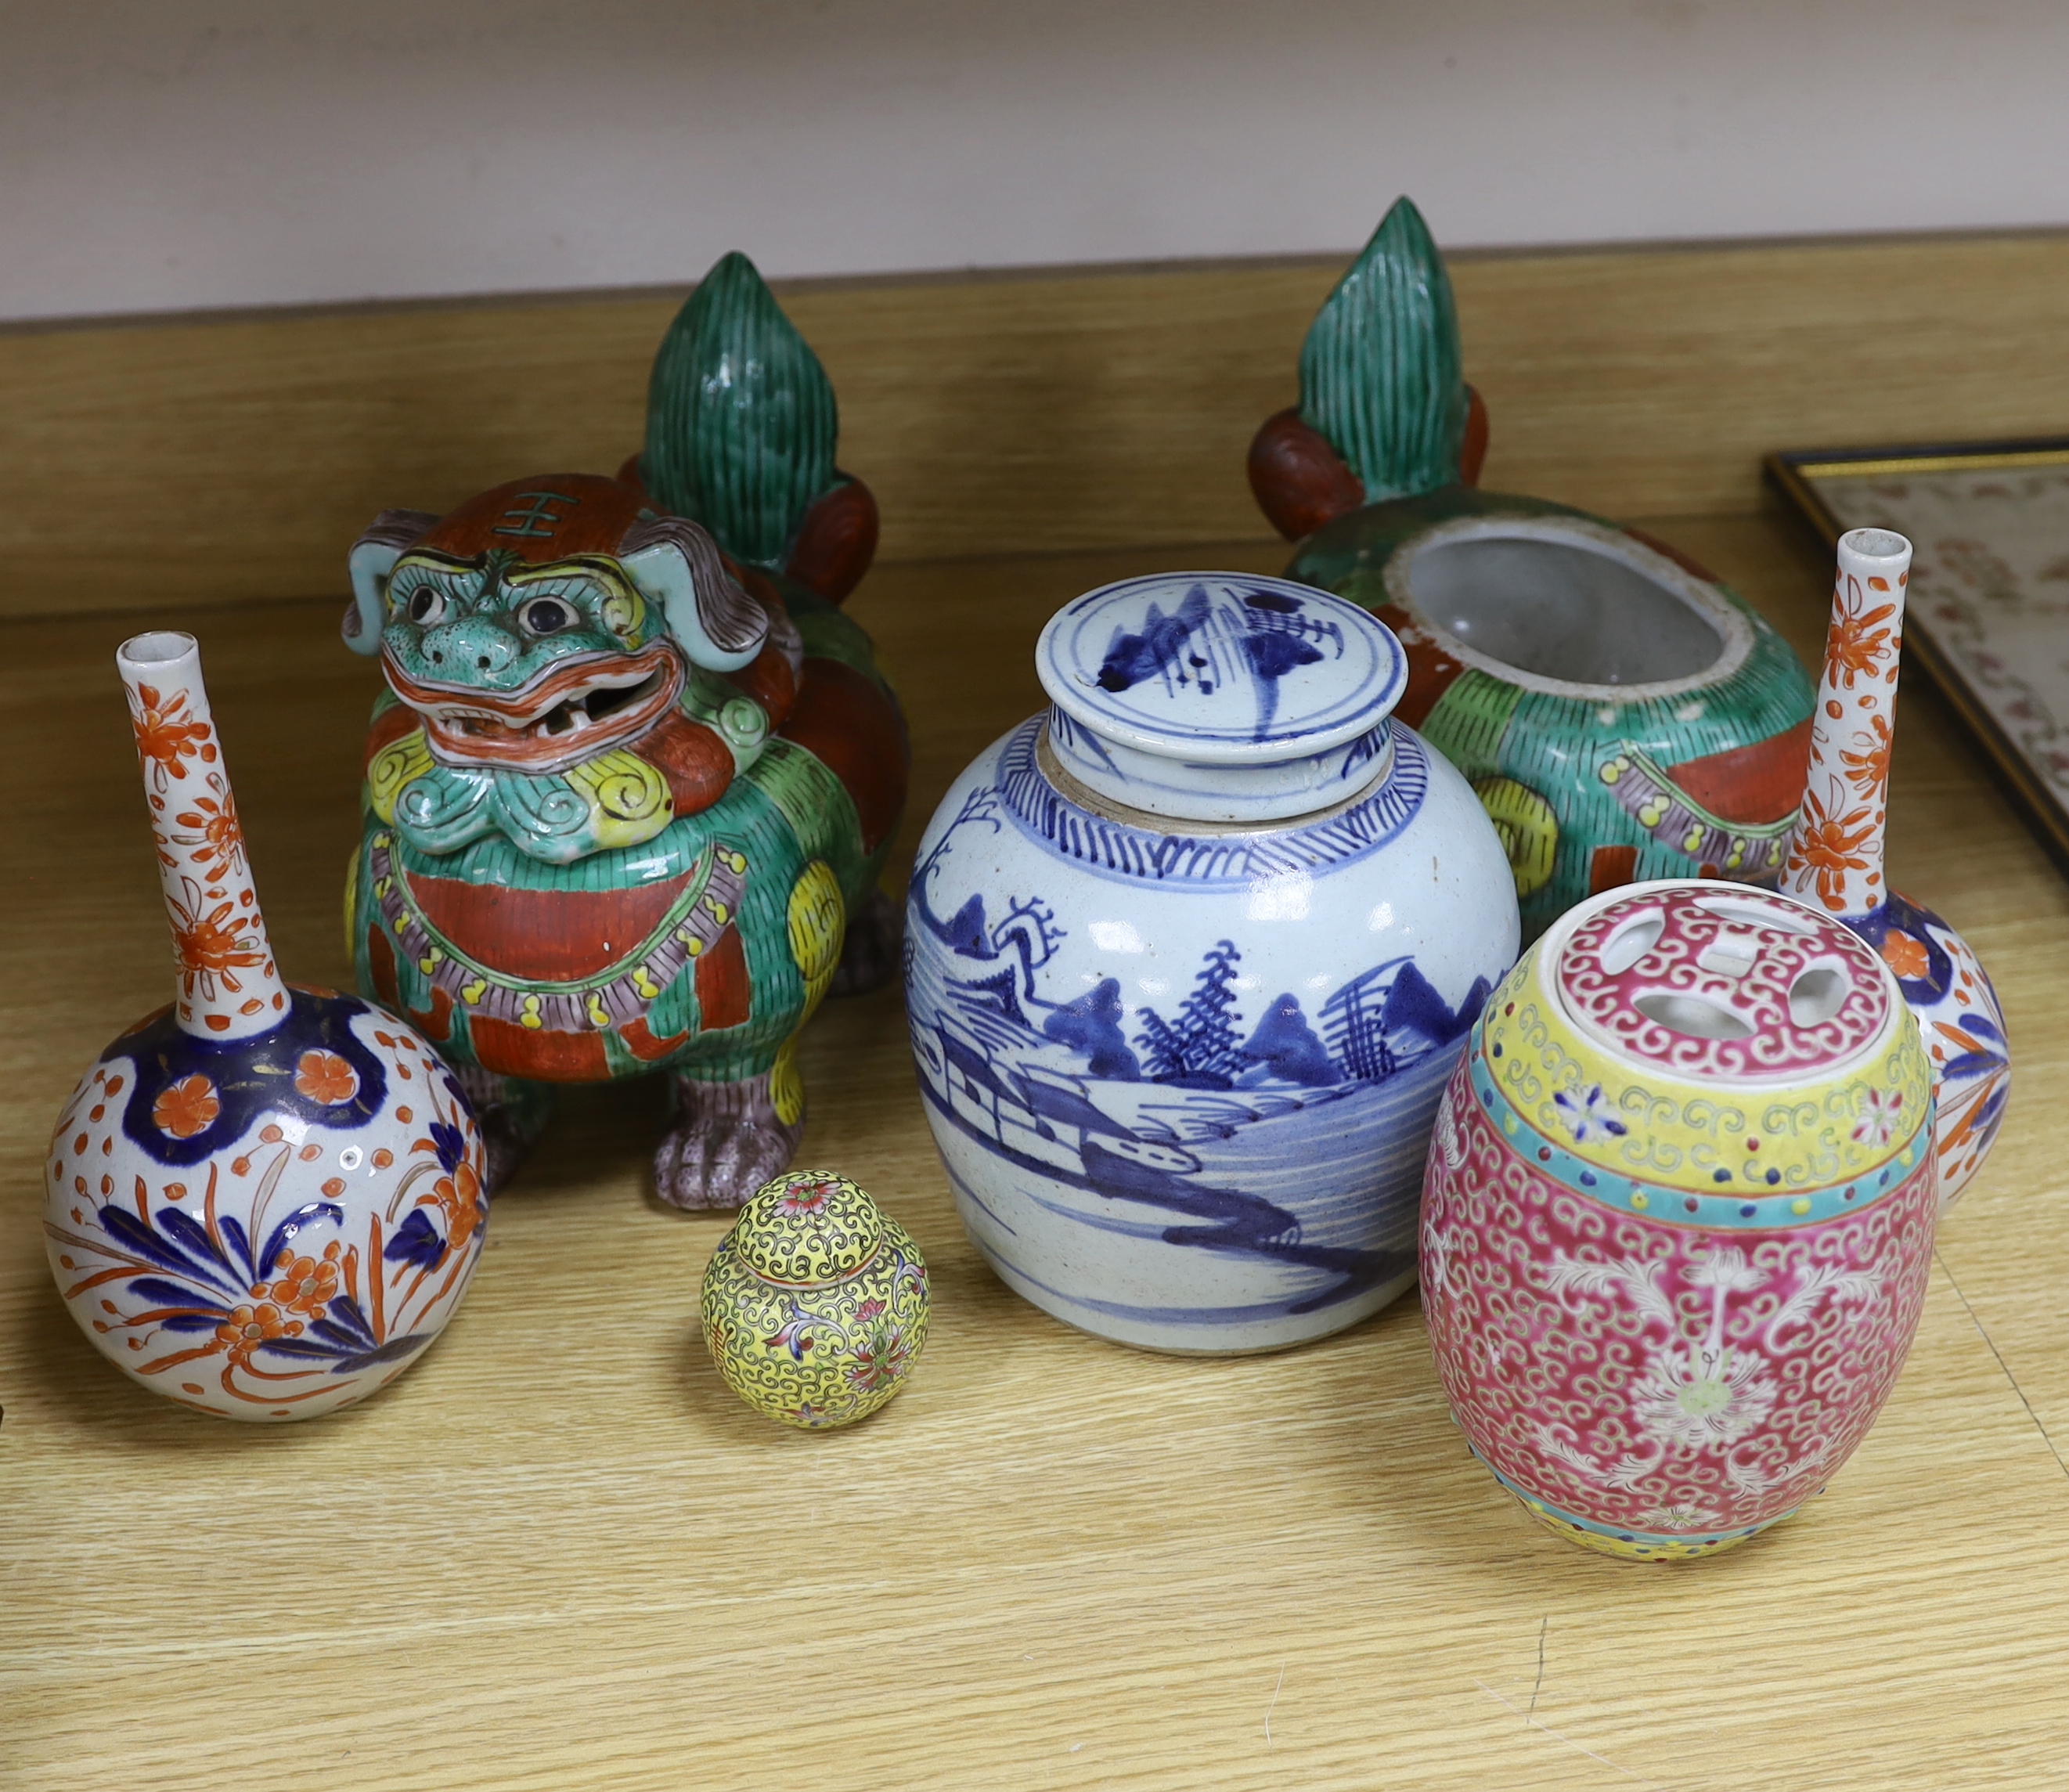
(605, 696)
(604, 699)
(590, 706)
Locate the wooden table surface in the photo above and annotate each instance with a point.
(558, 1554)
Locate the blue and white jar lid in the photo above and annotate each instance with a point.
(1226, 697)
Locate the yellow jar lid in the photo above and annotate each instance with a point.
(806, 1228)
(1707, 1037)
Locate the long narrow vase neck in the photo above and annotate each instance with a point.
(1835, 849)
(228, 986)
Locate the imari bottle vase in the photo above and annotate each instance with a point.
(1835, 857)
(1679, 1215)
(263, 1202)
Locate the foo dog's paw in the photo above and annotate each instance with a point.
(513, 1114)
(506, 1144)
(719, 1163)
(869, 957)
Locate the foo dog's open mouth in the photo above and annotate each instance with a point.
(573, 711)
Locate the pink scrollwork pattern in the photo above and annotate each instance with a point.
(1654, 1377)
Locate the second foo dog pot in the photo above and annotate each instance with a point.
(1621, 713)
(1188, 959)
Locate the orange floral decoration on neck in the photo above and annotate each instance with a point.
(167, 736)
(1830, 845)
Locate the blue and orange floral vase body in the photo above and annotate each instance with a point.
(263, 1201)
(633, 775)
(1621, 713)
(815, 1304)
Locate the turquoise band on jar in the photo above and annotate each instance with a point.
(1635, 1542)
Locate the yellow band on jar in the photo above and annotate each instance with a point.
(1679, 1133)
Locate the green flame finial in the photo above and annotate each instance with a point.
(741, 417)
(1380, 371)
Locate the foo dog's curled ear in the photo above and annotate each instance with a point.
(677, 568)
(391, 535)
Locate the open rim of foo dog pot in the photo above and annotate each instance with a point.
(1568, 607)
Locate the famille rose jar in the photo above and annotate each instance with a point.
(264, 1201)
(815, 1304)
(1188, 958)
(1679, 1214)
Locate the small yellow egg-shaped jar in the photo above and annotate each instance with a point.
(815, 1303)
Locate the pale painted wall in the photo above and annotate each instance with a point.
(163, 154)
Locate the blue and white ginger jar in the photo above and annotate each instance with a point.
(1190, 957)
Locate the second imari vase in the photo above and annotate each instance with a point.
(815, 1303)
(1188, 957)
(1836, 858)
(1679, 1215)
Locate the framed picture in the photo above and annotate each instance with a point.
(1988, 611)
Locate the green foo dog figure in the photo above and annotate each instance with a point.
(1622, 714)
(634, 777)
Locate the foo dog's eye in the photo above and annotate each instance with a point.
(427, 604)
(547, 616)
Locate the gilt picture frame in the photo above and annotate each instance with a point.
(1988, 618)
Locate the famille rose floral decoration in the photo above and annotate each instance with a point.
(1835, 857)
(815, 1303)
(1679, 1215)
(263, 1202)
